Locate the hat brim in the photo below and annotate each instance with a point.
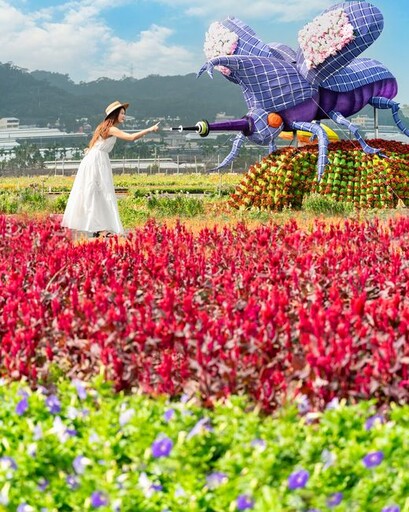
(122, 105)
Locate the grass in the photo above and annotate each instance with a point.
(145, 199)
(141, 184)
(320, 204)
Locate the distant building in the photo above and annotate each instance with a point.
(363, 121)
(12, 135)
(222, 116)
(9, 122)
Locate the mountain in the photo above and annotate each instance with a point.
(42, 97)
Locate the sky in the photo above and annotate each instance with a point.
(90, 39)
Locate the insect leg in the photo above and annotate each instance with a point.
(272, 147)
(319, 132)
(237, 143)
(340, 119)
(379, 102)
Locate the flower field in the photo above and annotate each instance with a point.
(271, 312)
(206, 337)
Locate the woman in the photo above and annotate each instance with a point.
(92, 205)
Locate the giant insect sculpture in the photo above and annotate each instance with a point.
(294, 90)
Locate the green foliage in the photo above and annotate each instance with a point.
(179, 205)
(32, 199)
(61, 445)
(320, 204)
(59, 204)
(8, 202)
(29, 199)
(143, 184)
(132, 211)
(182, 188)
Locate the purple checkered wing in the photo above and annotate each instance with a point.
(360, 72)
(335, 38)
(283, 52)
(249, 44)
(271, 84)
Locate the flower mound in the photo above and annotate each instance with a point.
(326, 35)
(282, 179)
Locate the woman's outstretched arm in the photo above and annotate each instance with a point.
(116, 132)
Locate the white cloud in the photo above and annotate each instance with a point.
(150, 54)
(74, 38)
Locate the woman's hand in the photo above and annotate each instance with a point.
(154, 128)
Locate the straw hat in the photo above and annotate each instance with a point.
(113, 106)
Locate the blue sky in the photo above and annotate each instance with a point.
(89, 39)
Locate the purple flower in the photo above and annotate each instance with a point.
(377, 419)
(37, 432)
(80, 463)
(215, 479)
(328, 458)
(72, 482)
(22, 406)
(391, 508)
(162, 447)
(116, 506)
(298, 479)
(303, 404)
(53, 404)
(81, 391)
(32, 450)
(8, 463)
(244, 502)
(43, 484)
(259, 444)
(98, 499)
(126, 416)
(203, 424)
(335, 499)
(148, 487)
(333, 404)
(373, 459)
(93, 437)
(24, 507)
(168, 415)
(60, 429)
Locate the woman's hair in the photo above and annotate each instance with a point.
(102, 130)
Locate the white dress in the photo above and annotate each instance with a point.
(92, 204)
